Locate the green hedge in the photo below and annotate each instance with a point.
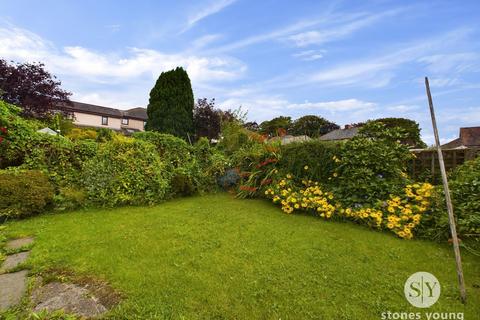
(128, 172)
(315, 154)
(464, 185)
(24, 193)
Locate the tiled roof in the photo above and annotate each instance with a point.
(340, 134)
(138, 113)
(469, 137)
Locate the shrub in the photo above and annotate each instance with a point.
(186, 176)
(24, 193)
(127, 172)
(235, 137)
(370, 168)
(82, 134)
(211, 164)
(104, 134)
(315, 155)
(69, 198)
(464, 186)
(60, 158)
(17, 135)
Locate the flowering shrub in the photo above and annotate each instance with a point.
(399, 214)
(370, 168)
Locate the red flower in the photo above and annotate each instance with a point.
(3, 130)
(266, 181)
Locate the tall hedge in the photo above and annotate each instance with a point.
(170, 108)
(125, 172)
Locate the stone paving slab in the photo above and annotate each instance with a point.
(13, 260)
(18, 243)
(68, 297)
(12, 288)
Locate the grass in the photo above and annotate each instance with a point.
(216, 257)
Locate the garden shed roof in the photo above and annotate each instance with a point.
(340, 134)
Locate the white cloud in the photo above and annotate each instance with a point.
(309, 55)
(80, 62)
(338, 31)
(452, 62)
(264, 107)
(212, 8)
(335, 106)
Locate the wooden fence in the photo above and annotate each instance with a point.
(425, 166)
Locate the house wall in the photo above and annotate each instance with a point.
(134, 124)
(91, 120)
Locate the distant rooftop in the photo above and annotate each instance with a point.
(469, 137)
(136, 113)
(340, 134)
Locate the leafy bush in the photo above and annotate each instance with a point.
(315, 155)
(235, 137)
(180, 164)
(24, 193)
(82, 134)
(122, 173)
(60, 158)
(104, 134)
(69, 198)
(17, 136)
(464, 186)
(370, 167)
(211, 162)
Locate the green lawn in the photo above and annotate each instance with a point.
(216, 257)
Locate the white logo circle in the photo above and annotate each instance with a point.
(422, 289)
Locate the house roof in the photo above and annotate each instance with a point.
(340, 134)
(137, 113)
(469, 137)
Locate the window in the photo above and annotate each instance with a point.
(125, 121)
(104, 121)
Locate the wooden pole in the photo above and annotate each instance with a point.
(451, 218)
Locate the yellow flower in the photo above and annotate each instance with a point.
(335, 174)
(289, 176)
(305, 168)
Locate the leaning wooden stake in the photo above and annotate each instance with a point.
(451, 218)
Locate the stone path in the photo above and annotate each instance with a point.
(72, 298)
(13, 285)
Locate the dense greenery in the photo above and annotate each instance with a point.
(170, 108)
(276, 126)
(23, 193)
(312, 126)
(410, 128)
(206, 119)
(215, 257)
(315, 154)
(31, 87)
(464, 185)
(125, 172)
(371, 166)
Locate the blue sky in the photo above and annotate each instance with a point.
(347, 61)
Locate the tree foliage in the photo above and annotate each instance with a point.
(312, 126)
(410, 128)
(206, 119)
(31, 87)
(170, 108)
(276, 126)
